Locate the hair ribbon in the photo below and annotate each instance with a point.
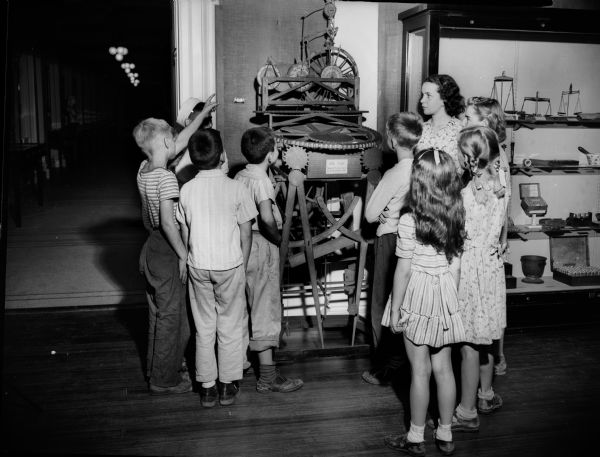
(436, 156)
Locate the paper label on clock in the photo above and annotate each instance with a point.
(336, 166)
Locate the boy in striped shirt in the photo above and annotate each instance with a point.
(163, 256)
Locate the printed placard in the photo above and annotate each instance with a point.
(336, 166)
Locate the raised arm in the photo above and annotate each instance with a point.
(188, 131)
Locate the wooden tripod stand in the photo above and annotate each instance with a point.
(313, 247)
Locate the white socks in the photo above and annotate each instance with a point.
(489, 395)
(206, 385)
(463, 413)
(415, 434)
(443, 431)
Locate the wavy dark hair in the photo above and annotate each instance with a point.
(454, 102)
(436, 202)
(489, 109)
(480, 143)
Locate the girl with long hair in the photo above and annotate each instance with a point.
(424, 304)
(487, 112)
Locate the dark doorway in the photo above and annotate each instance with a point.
(73, 217)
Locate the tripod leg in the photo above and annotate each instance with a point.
(285, 240)
(360, 272)
(310, 258)
(287, 225)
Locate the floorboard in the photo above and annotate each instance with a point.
(89, 397)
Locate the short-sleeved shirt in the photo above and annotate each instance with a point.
(261, 189)
(445, 139)
(156, 186)
(212, 206)
(390, 195)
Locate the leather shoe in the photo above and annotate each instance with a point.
(208, 396)
(227, 392)
(372, 378)
(445, 447)
(401, 443)
(183, 387)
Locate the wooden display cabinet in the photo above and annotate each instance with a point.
(424, 25)
(424, 28)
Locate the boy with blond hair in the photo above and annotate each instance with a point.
(163, 256)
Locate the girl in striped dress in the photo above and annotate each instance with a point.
(424, 304)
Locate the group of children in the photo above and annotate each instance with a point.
(441, 238)
(221, 236)
(442, 266)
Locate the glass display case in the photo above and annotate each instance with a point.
(426, 24)
(546, 49)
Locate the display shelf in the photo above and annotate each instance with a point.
(550, 285)
(425, 24)
(555, 170)
(429, 30)
(525, 233)
(552, 122)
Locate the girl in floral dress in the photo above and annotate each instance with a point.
(424, 302)
(482, 291)
(487, 112)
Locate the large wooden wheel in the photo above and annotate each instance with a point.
(332, 63)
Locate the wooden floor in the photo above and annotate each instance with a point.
(73, 384)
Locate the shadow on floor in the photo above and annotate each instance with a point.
(119, 242)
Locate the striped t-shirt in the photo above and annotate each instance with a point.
(156, 186)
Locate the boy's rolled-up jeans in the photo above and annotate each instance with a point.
(217, 299)
(169, 328)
